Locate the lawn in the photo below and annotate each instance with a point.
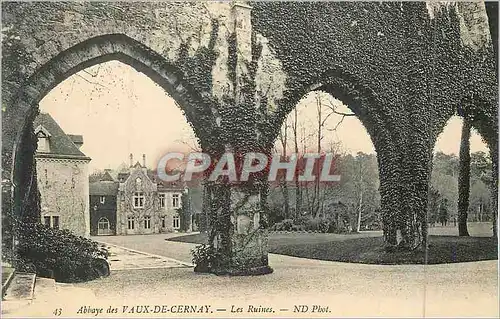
(367, 247)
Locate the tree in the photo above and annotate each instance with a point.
(464, 179)
(480, 165)
(444, 180)
(446, 164)
(480, 186)
(433, 210)
(479, 201)
(443, 212)
(298, 190)
(359, 187)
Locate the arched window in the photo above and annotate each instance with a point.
(103, 226)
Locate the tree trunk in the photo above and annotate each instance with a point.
(494, 188)
(464, 179)
(480, 217)
(360, 204)
(298, 190)
(284, 186)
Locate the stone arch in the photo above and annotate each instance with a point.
(23, 106)
(380, 124)
(483, 118)
(345, 87)
(476, 110)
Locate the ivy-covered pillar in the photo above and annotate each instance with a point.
(416, 149)
(20, 196)
(494, 190)
(237, 237)
(390, 201)
(237, 243)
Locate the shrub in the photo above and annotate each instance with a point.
(301, 220)
(321, 225)
(298, 227)
(205, 258)
(333, 227)
(284, 225)
(276, 214)
(59, 254)
(311, 224)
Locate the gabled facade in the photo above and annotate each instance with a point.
(137, 202)
(138, 208)
(62, 172)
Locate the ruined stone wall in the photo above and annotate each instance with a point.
(374, 48)
(403, 68)
(236, 71)
(177, 34)
(55, 27)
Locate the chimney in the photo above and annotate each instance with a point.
(143, 160)
(131, 160)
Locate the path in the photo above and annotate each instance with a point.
(462, 289)
(153, 244)
(123, 258)
(337, 289)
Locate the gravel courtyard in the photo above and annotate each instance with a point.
(340, 289)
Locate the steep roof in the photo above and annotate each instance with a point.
(101, 177)
(122, 176)
(77, 139)
(106, 177)
(103, 188)
(137, 165)
(163, 185)
(60, 143)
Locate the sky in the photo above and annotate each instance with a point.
(121, 111)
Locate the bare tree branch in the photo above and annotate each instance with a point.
(193, 148)
(96, 73)
(338, 124)
(333, 108)
(91, 82)
(326, 118)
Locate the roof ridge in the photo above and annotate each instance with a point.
(60, 142)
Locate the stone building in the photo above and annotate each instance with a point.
(62, 172)
(103, 190)
(137, 202)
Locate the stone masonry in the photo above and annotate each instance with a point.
(403, 68)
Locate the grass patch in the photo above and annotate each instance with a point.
(367, 248)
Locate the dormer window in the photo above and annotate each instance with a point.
(43, 139)
(43, 144)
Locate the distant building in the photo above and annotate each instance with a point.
(62, 171)
(103, 190)
(137, 202)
